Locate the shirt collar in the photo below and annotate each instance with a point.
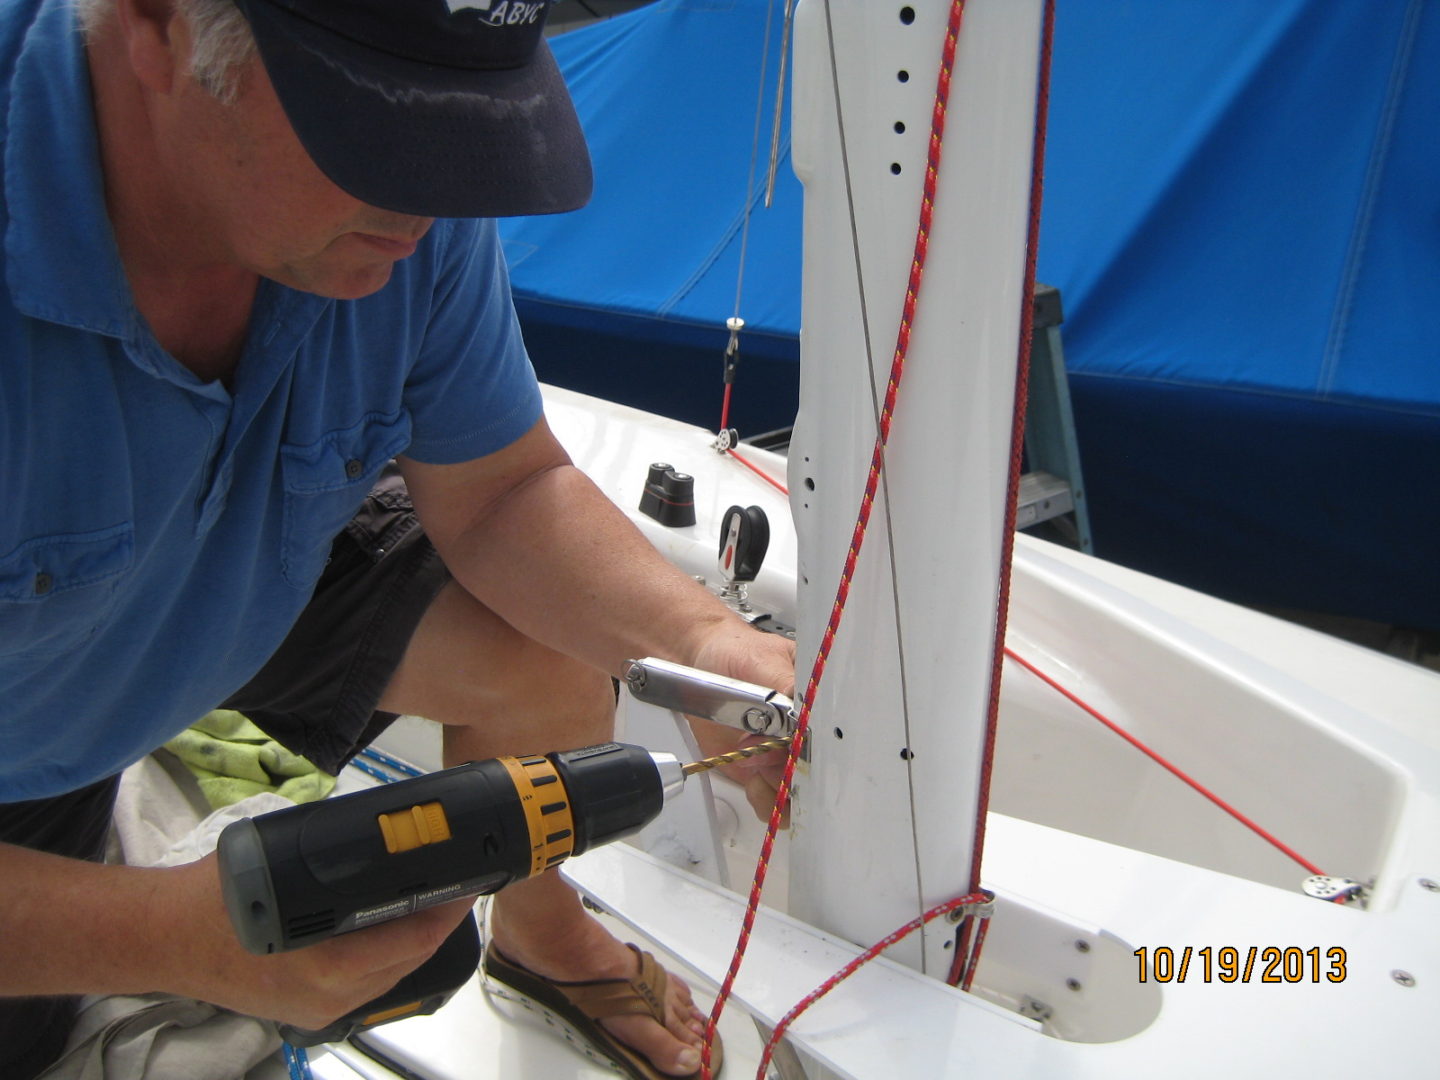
(62, 263)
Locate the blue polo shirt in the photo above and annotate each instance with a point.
(160, 534)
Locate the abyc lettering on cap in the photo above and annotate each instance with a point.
(504, 13)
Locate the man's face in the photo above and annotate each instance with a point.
(268, 207)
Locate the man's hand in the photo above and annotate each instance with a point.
(308, 988)
(733, 648)
(73, 927)
(741, 652)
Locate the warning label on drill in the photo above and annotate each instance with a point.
(439, 896)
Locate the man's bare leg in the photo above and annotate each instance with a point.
(498, 692)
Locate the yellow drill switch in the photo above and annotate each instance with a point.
(405, 830)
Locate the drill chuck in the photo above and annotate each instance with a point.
(303, 874)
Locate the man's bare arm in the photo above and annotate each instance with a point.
(537, 542)
(72, 927)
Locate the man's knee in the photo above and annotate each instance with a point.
(527, 671)
(465, 665)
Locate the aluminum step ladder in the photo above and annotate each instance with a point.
(1052, 494)
(1052, 491)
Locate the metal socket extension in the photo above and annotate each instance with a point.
(741, 705)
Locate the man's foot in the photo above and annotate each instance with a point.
(585, 951)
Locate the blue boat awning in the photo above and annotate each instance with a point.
(1242, 214)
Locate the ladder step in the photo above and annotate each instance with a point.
(1042, 497)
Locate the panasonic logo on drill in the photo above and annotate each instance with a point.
(391, 910)
(503, 12)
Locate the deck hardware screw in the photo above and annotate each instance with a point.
(1404, 978)
(1432, 886)
(954, 915)
(1082, 946)
(1073, 984)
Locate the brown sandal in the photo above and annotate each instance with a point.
(577, 1007)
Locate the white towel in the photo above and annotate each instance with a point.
(157, 1036)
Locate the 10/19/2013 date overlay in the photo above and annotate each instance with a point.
(1231, 964)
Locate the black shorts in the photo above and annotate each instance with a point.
(316, 695)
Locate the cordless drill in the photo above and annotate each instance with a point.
(301, 875)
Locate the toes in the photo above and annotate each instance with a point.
(680, 992)
(683, 1019)
(666, 1052)
(687, 1061)
(682, 1027)
(673, 1048)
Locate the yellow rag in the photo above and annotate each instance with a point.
(233, 759)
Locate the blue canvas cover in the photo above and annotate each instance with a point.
(1242, 214)
(628, 298)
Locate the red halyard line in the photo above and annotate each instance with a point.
(1162, 762)
(963, 968)
(854, 965)
(1017, 449)
(758, 471)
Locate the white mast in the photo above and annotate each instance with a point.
(884, 811)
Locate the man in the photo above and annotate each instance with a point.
(240, 278)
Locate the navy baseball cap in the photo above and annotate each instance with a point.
(438, 108)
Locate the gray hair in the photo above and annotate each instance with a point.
(221, 39)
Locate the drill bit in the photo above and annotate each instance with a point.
(735, 755)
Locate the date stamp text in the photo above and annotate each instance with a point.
(1241, 964)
